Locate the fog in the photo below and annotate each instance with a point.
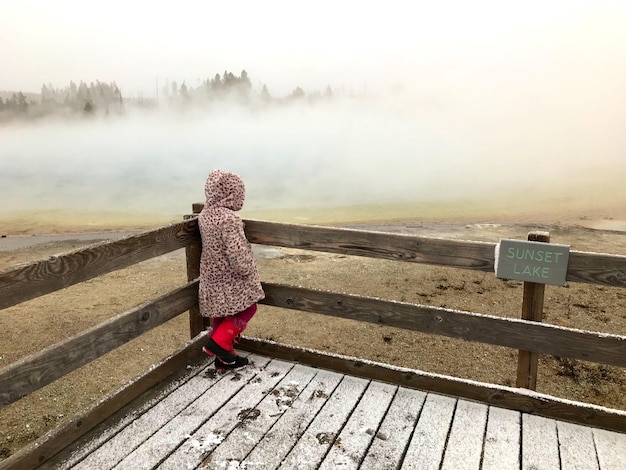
(401, 146)
(450, 101)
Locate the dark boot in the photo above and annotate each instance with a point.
(221, 342)
(238, 363)
(214, 349)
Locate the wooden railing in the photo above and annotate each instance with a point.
(44, 276)
(41, 277)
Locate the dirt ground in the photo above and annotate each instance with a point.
(36, 324)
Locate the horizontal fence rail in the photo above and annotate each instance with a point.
(48, 275)
(597, 268)
(391, 246)
(39, 369)
(509, 332)
(591, 268)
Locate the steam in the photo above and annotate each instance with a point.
(452, 104)
(400, 147)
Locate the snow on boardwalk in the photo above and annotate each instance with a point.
(277, 414)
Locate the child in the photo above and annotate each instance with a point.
(229, 281)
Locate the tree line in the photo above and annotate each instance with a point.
(101, 98)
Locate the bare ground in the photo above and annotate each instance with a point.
(36, 324)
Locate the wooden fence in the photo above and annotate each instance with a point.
(41, 277)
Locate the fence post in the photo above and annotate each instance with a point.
(197, 322)
(532, 309)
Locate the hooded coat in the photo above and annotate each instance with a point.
(229, 280)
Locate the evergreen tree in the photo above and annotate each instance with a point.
(296, 94)
(21, 103)
(216, 83)
(265, 94)
(88, 109)
(184, 91)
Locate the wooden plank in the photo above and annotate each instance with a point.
(217, 426)
(115, 449)
(502, 440)
(283, 436)
(321, 433)
(193, 253)
(509, 332)
(179, 429)
(465, 442)
(39, 369)
(80, 424)
(478, 256)
(357, 434)
(428, 442)
(576, 448)
(532, 310)
(540, 445)
(593, 268)
(57, 272)
(610, 448)
(128, 425)
(245, 436)
(597, 268)
(393, 436)
(493, 394)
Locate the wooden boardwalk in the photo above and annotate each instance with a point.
(279, 414)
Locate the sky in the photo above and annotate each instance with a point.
(457, 99)
(350, 45)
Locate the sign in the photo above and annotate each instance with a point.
(542, 263)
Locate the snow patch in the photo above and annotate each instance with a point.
(203, 443)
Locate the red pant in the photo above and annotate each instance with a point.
(240, 319)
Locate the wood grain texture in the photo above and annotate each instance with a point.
(496, 395)
(317, 415)
(41, 277)
(193, 252)
(57, 272)
(293, 423)
(40, 451)
(37, 370)
(230, 405)
(592, 268)
(532, 310)
(398, 247)
(597, 268)
(509, 332)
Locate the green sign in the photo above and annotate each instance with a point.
(542, 263)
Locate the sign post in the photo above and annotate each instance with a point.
(532, 309)
(537, 263)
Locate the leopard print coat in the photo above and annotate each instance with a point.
(229, 280)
